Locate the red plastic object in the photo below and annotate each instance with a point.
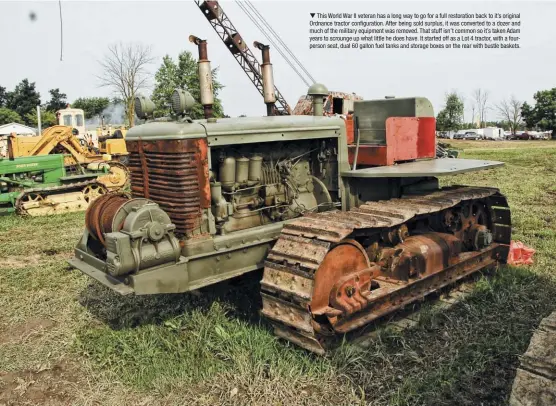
(520, 254)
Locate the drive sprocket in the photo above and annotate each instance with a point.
(333, 272)
(117, 178)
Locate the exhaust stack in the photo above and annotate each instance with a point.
(268, 78)
(205, 76)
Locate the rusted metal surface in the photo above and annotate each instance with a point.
(144, 169)
(344, 259)
(304, 106)
(177, 178)
(109, 212)
(99, 215)
(334, 226)
(201, 46)
(228, 33)
(268, 78)
(320, 266)
(349, 293)
(407, 139)
(391, 297)
(420, 255)
(205, 76)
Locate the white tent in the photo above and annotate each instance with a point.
(7, 129)
(19, 129)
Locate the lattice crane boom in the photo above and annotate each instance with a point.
(240, 51)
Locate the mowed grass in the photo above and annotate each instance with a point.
(67, 340)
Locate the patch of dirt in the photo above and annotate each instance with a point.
(51, 251)
(21, 332)
(22, 261)
(55, 385)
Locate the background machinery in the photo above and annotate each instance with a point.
(78, 159)
(106, 139)
(40, 185)
(341, 244)
(335, 103)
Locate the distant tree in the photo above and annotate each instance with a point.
(24, 99)
(528, 115)
(91, 106)
(125, 71)
(473, 114)
(543, 114)
(57, 100)
(9, 116)
(48, 118)
(467, 126)
(2, 96)
(480, 103)
(183, 75)
(509, 110)
(461, 97)
(451, 117)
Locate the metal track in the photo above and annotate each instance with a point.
(53, 190)
(289, 273)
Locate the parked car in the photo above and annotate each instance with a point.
(537, 135)
(470, 135)
(522, 136)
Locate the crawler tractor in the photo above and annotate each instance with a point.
(77, 158)
(341, 244)
(106, 139)
(40, 185)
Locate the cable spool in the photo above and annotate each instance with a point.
(108, 213)
(96, 214)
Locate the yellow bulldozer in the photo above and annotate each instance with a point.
(107, 139)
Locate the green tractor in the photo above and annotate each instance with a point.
(40, 185)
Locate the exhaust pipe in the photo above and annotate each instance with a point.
(268, 78)
(11, 139)
(39, 120)
(205, 76)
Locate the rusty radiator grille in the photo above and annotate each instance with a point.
(172, 182)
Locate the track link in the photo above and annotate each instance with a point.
(50, 191)
(288, 282)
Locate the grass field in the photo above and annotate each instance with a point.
(66, 340)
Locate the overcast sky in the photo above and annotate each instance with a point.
(31, 49)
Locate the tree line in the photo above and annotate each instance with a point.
(20, 104)
(512, 114)
(125, 71)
